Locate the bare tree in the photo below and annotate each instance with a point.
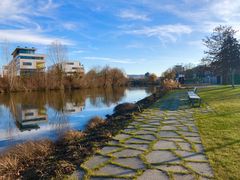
(57, 54)
(11, 65)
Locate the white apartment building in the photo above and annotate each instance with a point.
(26, 61)
(70, 67)
(4, 71)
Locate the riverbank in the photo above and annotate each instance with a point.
(50, 159)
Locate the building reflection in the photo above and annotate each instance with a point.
(33, 110)
(29, 117)
(73, 107)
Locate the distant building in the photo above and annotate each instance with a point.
(70, 67)
(136, 76)
(202, 74)
(4, 71)
(179, 70)
(25, 61)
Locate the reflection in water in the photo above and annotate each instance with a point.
(27, 117)
(36, 115)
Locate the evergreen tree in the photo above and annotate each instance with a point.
(223, 53)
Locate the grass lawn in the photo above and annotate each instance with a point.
(220, 130)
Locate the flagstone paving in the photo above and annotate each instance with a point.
(161, 143)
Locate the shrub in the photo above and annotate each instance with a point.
(72, 135)
(64, 168)
(94, 122)
(22, 156)
(169, 84)
(125, 107)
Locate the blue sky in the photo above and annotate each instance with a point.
(135, 35)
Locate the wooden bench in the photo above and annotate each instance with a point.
(194, 98)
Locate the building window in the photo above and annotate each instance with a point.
(31, 57)
(27, 63)
(70, 63)
(29, 114)
(26, 51)
(75, 68)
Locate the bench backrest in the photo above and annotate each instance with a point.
(195, 90)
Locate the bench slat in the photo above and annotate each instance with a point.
(192, 95)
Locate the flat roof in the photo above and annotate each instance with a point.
(25, 48)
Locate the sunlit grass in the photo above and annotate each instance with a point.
(220, 130)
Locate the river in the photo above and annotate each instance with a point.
(41, 115)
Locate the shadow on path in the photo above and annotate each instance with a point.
(174, 101)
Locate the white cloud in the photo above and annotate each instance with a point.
(70, 26)
(227, 10)
(204, 14)
(27, 36)
(49, 5)
(111, 60)
(133, 15)
(19, 16)
(79, 51)
(163, 32)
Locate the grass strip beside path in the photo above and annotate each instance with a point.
(220, 130)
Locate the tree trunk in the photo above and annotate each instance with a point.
(233, 78)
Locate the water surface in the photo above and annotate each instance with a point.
(40, 115)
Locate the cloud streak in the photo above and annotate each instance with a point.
(27, 36)
(133, 15)
(111, 60)
(163, 32)
(19, 18)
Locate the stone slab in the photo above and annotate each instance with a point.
(168, 134)
(153, 174)
(164, 145)
(127, 153)
(201, 168)
(138, 146)
(173, 168)
(112, 170)
(191, 156)
(161, 157)
(183, 177)
(134, 163)
(95, 161)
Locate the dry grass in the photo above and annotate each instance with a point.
(94, 122)
(71, 135)
(23, 155)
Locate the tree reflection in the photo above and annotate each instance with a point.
(30, 109)
(106, 96)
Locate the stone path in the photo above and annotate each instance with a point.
(158, 144)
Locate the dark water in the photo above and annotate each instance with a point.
(39, 115)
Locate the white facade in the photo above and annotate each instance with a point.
(70, 67)
(25, 61)
(4, 71)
